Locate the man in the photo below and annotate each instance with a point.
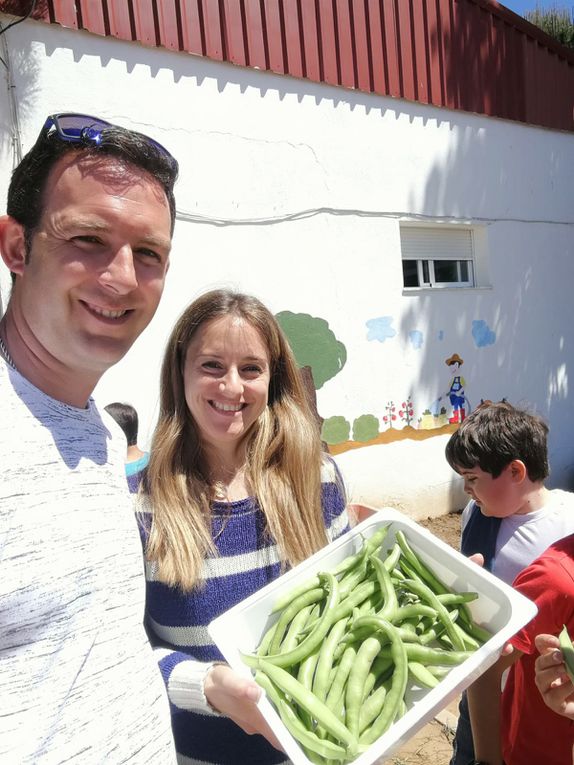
(87, 240)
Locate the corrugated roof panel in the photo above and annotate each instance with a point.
(310, 41)
(474, 55)
(435, 64)
(234, 33)
(168, 23)
(363, 61)
(93, 17)
(391, 42)
(345, 44)
(467, 60)
(274, 31)
(144, 22)
(254, 34)
(488, 64)
(213, 30)
(293, 40)
(119, 19)
(64, 12)
(328, 44)
(192, 28)
(419, 12)
(379, 82)
(406, 50)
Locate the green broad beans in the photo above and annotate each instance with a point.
(343, 650)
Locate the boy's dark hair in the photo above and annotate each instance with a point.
(494, 435)
(127, 418)
(26, 191)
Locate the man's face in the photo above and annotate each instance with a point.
(97, 263)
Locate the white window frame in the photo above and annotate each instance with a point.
(426, 244)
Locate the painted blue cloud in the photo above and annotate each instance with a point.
(441, 334)
(380, 329)
(416, 338)
(482, 334)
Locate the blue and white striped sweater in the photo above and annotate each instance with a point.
(177, 622)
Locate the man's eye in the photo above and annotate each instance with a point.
(150, 254)
(86, 239)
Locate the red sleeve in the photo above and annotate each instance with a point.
(549, 582)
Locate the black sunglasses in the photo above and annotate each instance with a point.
(83, 128)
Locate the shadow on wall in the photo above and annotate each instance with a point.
(512, 336)
(24, 74)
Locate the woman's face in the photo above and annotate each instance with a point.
(226, 378)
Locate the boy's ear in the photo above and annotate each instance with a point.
(518, 471)
(12, 244)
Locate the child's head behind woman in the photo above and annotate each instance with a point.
(231, 393)
(494, 435)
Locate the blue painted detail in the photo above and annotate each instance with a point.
(380, 329)
(441, 334)
(416, 338)
(482, 334)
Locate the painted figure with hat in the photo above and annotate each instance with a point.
(456, 389)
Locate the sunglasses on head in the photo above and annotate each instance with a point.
(83, 128)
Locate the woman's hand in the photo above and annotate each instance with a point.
(551, 677)
(236, 697)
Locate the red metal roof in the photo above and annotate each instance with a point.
(472, 55)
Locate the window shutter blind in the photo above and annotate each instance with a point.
(422, 242)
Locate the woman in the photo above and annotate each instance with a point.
(237, 490)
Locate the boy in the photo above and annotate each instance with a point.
(501, 452)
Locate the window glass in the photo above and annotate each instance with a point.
(410, 273)
(446, 271)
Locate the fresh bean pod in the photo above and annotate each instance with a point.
(391, 604)
(301, 601)
(325, 662)
(326, 749)
(354, 694)
(425, 593)
(426, 655)
(396, 692)
(319, 711)
(314, 638)
(422, 675)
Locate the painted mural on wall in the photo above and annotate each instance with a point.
(316, 347)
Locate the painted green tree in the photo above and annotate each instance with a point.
(365, 427)
(314, 344)
(335, 430)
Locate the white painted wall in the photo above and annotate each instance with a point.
(255, 147)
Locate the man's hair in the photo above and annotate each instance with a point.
(26, 191)
(496, 434)
(127, 418)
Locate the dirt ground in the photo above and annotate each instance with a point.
(432, 745)
(446, 527)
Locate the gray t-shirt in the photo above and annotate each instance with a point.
(78, 680)
(522, 538)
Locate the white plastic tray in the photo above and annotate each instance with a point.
(499, 608)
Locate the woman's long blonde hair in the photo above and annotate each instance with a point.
(284, 453)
